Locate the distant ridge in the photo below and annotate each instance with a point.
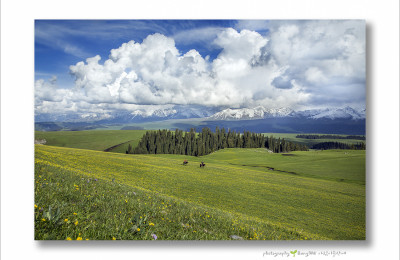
(207, 113)
(251, 113)
(262, 113)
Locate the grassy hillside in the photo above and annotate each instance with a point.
(92, 139)
(73, 206)
(335, 165)
(235, 194)
(102, 139)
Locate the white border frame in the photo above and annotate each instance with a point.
(17, 77)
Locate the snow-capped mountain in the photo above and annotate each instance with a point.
(250, 113)
(72, 117)
(214, 114)
(177, 112)
(126, 116)
(346, 112)
(154, 113)
(333, 113)
(194, 111)
(261, 113)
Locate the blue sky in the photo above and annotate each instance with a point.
(102, 66)
(61, 43)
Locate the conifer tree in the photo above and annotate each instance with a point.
(187, 143)
(129, 151)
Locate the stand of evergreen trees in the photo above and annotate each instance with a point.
(337, 145)
(206, 142)
(311, 136)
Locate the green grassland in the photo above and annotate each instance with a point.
(309, 142)
(115, 141)
(73, 206)
(103, 139)
(310, 195)
(91, 139)
(124, 147)
(335, 165)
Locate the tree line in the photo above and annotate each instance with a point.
(206, 142)
(337, 145)
(312, 136)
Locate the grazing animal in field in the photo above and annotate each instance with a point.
(202, 164)
(185, 162)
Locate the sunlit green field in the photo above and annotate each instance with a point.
(310, 195)
(100, 140)
(91, 139)
(336, 165)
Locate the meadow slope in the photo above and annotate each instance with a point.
(101, 140)
(309, 195)
(98, 140)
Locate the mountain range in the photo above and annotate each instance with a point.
(344, 120)
(213, 114)
(261, 113)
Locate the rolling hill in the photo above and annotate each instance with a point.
(309, 195)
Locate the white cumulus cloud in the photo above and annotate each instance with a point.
(295, 64)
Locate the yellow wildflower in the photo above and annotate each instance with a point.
(66, 220)
(35, 206)
(43, 219)
(138, 229)
(75, 213)
(114, 238)
(68, 238)
(151, 224)
(76, 223)
(78, 238)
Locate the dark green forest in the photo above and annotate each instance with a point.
(354, 137)
(337, 145)
(206, 142)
